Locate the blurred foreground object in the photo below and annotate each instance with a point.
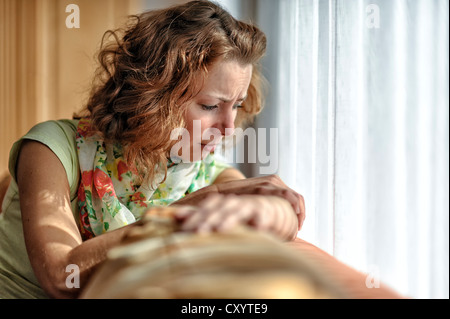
(158, 261)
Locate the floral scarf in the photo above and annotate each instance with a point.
(109, 196)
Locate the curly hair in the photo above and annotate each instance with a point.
(155, 65)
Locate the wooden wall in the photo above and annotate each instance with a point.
(45, 67)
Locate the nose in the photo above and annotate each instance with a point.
(226, 123)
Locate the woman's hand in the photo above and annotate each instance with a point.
(221, 213)
(232, 181)
(267, 186)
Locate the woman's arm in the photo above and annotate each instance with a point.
(51, 234)
(228, 175)
(195, 198)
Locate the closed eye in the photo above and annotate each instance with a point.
(209, 107)
(213, 107)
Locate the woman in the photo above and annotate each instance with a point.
(79, 185)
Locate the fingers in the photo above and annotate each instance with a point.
(288, 194)
(222, 216)
(232, 219)
(223, 212)
(287, 225)
(184, 212)
(269, 212)
(267, 185)
(302, 215)
(210, 214)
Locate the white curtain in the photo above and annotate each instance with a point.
(359, 94)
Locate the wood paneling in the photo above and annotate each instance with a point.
(46, 68)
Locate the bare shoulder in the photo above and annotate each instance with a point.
(36, 162)
(44, 189)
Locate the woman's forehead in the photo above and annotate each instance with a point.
(227, 81)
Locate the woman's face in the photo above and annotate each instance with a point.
(211, 114)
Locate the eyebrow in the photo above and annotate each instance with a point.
(226, 100)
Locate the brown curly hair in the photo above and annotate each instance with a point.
(155, 65)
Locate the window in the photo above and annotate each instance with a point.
(359, 94)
